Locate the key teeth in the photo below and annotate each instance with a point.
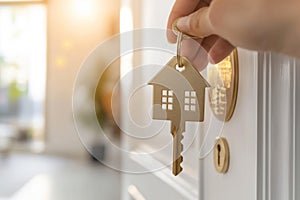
(178, 138)
(181, 157)
(181, 160)
(178, 171)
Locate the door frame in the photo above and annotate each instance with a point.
(277, 120)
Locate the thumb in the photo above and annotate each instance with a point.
(196, 24)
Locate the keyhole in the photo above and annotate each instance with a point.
(221, 155)
(219, 150)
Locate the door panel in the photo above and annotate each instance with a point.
(278, 130)
(240, 132)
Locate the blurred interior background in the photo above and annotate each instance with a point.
(42, 46)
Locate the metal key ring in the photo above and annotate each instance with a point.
(179, 44)
(176, 31)
(180, 37)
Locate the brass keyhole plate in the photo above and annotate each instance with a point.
(221, 155)
(223, 78)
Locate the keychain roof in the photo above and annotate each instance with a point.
(183, 84)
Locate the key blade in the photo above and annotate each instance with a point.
(177, 150)
(176, 166)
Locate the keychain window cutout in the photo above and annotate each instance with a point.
(190, 101)
(167, 100)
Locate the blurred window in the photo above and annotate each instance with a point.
(23, 69)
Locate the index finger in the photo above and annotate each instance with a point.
(180, 8)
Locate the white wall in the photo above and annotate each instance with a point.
(72, 34)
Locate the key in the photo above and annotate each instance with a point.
(178, 96)
(177, 149)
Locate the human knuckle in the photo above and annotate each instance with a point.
(214, 19)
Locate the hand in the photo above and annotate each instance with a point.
(216, 47)
(252, 24)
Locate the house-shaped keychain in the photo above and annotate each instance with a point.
(178, 93)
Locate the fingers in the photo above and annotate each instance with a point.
(220, 50)
(195, 53)
(208, 42)
(197, 23)
(181, 8)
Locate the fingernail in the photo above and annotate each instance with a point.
(183, 24)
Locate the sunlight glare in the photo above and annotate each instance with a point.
(84, 8)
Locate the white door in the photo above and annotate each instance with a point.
(262, 133)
